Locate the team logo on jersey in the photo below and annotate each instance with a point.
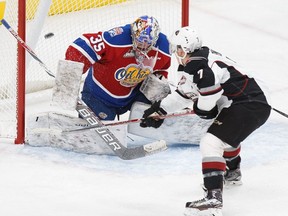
(132, 75)
(115, 31)
(182, 80)
(217, 122)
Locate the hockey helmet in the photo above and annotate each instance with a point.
(187, 39)
(145, 32)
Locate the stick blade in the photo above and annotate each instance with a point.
(155, 147)
(143, 150)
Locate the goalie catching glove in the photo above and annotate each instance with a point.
(150, 120)
(155, 87)
(205, 114)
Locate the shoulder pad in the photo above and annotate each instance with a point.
(163, 43)
(118, 36)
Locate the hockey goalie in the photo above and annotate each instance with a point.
(69, 132)
(126, 69)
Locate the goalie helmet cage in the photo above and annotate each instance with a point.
(48, 27)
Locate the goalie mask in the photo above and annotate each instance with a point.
(183, 41)
(145, 32)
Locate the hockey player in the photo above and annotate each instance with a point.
(117, 61)
(226, 93)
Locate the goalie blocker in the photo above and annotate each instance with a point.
(67, 84)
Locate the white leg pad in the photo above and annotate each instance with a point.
(186, 129)
(45, 130)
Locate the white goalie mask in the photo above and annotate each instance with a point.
(186, 40)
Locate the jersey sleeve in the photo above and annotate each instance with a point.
(175, 102)
(183, 96)
(87, 49)
(210, 89)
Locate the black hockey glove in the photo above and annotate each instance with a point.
(205, 114)
(150, 121)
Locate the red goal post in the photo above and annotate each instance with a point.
(48, 27)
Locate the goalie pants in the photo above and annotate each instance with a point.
(106, 111)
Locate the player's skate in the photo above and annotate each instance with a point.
(233, 177)
(210, 205)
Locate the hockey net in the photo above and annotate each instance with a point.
(51, 25)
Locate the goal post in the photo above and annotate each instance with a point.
(48, 27)
(13, 109)
(21, 76)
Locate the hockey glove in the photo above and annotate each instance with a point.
(148, 120)
(205, 114)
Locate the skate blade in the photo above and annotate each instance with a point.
(206, 212)
(228, 184)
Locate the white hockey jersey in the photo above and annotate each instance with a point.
(214, 79)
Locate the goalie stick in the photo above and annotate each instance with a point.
(109, 138)
(136, 120)
(86, 113)
(98, 127)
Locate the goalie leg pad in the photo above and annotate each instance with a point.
(45, 130)
(182, 130)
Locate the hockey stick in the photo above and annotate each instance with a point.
(280, 112)
(86, 113)
(136, 120)
(110, 139)
(26, 47)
